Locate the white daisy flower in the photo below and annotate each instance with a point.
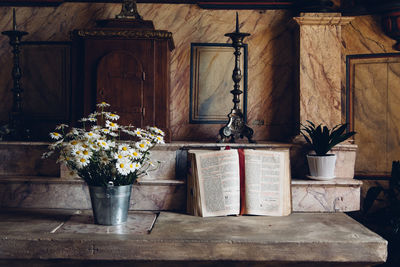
(103, 144)
(77, 152)
(104, 160)
(112, 116)
(142, 145)
(124, 149)
(93, 115)
(81, 162)
(111, 125)
(61, 126)
(133, 166)
(92, 119)
(136, 154)
(91, 135)
(159, 140)
(123, 166)
(103, 105)
(96, 128)
(118, 156)
(86, 154)
(105, 130)
(113, 134)
(139, 132)
(73, 132)
(74, 142)
(55, 135)
(94, 146)
(156, 130)
(111, 143)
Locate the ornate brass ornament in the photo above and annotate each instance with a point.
(236, 127)
(129, 11)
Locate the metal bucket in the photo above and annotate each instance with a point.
(110, 204)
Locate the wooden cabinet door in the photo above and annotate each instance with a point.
(120, 78)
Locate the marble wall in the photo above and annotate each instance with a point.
(374, 84)
(271, 58)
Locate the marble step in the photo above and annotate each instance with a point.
(337, 195)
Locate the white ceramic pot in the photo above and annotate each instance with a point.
(322, 167)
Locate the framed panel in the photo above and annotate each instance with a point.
(211, 67)
(46, 81)
(373, 110)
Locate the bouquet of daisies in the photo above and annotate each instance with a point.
(96, 152)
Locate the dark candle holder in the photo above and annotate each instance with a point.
(16, 122)
(236, 126)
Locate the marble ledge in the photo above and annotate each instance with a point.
(329, 19)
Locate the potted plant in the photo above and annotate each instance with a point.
(108, 165)
(322, 140)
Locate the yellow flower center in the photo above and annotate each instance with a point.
(112, 124)
(135, 153)
(82, 160)
(103, 103)
(90, 134)
(124, 148)
(120, 156)
(74, 142)
(85, 146)
(78, 152)
(131, 166)
(121, 165)
(112, 115)
(103, 143)
(56, 134)
(141, 145)
(85, 152)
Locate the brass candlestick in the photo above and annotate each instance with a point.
(16, 122)
(236, 126)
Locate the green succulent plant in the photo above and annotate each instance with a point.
(322, 139)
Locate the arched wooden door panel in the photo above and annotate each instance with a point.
(120, 78)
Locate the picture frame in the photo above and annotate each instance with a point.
(211, 67)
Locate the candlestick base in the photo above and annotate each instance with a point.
(235, 128)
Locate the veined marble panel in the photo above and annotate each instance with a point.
(307, 195)
(271, 58)
(374, 85)
(336, 195)
(320, 67)
(56, 194)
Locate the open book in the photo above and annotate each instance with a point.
(221, 184)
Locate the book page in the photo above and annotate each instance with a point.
(219, 183)
(267, 183)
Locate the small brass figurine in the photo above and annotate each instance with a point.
(129, 11)
(236, 126)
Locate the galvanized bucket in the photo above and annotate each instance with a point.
(110, 204)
